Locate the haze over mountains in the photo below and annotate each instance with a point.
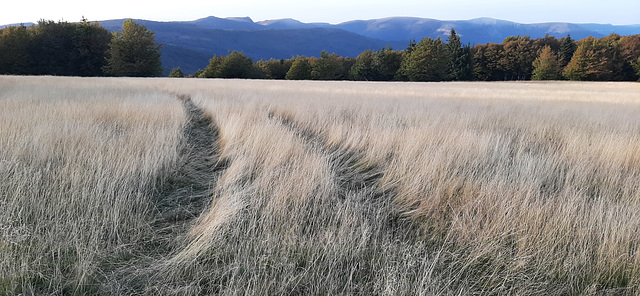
(190, 44)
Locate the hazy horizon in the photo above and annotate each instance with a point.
(615, 12)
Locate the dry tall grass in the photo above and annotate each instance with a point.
(341, 188)
(79, 160)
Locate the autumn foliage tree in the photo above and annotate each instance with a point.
(517, 58)
(487, 65)
(133, 52)
(596, 59)
(547, 66)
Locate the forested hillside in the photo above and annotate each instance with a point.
(88, 49)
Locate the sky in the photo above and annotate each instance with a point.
(617, 12)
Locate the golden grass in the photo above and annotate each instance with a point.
(79, 160)
(324, 187)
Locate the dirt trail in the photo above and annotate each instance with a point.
(181, 197)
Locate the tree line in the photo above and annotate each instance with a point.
(610, 58)
(87, 49)
(79, 49)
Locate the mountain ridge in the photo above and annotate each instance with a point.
(190, 44)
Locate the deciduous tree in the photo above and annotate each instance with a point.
(547, 66)
(176, 73)
(487, 62)
(330, 67)
(364, 68)
(236, 65)
(427, 61)
(16, 49)
(300, 69)
(597, 59)
(275, 69)
(213, 69)
(517, 58)
(133, 52)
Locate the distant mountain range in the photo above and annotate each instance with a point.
(190, 44)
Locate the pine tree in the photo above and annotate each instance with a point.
(460, 61)
(133, 52)
(567, 49)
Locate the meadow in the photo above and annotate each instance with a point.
(114, 186)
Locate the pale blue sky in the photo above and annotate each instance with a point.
(334, 11)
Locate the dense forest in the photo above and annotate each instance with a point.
(87, 49)
(79, 49)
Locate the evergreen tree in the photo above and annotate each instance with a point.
(133, 52)
(300, 69)
(412, 45)
(176, 73)
(567, 48)
(547, 66)
(460, 60)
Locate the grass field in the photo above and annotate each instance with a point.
(235, 187)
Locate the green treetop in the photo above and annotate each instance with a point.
(133, 52)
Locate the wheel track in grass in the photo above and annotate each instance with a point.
(369, 202)
(354, 175)
(181, 197)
